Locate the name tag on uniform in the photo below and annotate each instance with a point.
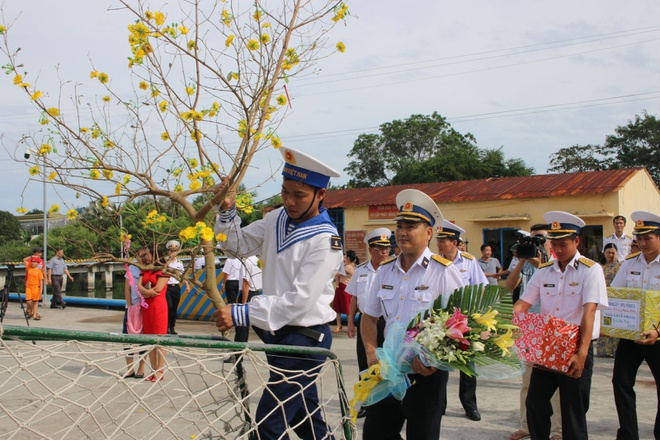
(632, 272)
(422, 287)
(386, 287)
(463, 270)
(364, 275)
(548, 285)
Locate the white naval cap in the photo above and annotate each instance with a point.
(378, 237)
(415, 206)
(645, 222)
(173, 244)
(304, 168)
(562, 224)
(449, 230)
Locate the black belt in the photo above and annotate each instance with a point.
(57, 275)
(305, 331)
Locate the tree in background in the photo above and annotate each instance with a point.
(424, 149)
(10, 227)
(208, 94)
(636, 144)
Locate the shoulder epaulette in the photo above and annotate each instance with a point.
(629, 256)
(439, 259)
(628, 236)
(389, 260)
(546, 264)
(587, 262)
(468, 256)
(335, 242)
(363, 264)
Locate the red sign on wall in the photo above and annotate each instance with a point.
(383, 212)
(354, 240)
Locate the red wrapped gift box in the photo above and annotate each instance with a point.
(546, 340)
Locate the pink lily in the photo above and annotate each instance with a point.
(456, 326)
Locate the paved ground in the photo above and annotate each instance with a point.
(498, 400)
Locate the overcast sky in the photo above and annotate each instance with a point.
(531, 77)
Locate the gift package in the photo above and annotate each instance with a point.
(546, 341)
(630, 312)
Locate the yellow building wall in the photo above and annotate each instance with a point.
(639, 193)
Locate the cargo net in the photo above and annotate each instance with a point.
(72, 385)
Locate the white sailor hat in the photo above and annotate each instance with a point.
(415, 206)
(173, 244)
(645, 222)
(378, 237)
(562, 224)
(304, 168)
(449, 230)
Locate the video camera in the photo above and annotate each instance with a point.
(529, 246)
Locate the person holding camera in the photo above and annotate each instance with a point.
(447, 236)
(535, 244)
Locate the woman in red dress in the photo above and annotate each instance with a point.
(153, 285)
(342, 300)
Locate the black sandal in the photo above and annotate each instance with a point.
(128, 375)
(138, 376)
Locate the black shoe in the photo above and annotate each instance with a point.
(361, 413)
(53, 306)
(63, 306)
(473, 415)
(170, 331)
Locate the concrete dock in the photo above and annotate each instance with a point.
(498, 400)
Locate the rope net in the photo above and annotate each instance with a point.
(72, 385)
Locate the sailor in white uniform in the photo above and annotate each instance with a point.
(301, 252)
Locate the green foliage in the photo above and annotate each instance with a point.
(14, 250)
(636, 144)
(424, 149)
(10, 227)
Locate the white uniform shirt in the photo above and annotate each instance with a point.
(399, 296)
(233, 267)
(361, 282)
(512, 265)
(471, 272)
(297, 281)
(636, 273)
(175, 265)
(252, 274)
(563, 294)
(622, 244)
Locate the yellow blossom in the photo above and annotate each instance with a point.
(195, 184)
(257, 15)
(165, 136)
(104, 201)
(2, 29)
(143, 85)
(21, 210)
(53, 111)
(155, 93)
(176, 172)
(190, 90)
(72, 214)
(36, 95)
(108, 144)
(232, 75)
(94, 174)
(106, 98)
(93, 74)
(163, 106)
(150, 16)
(183, 30)
(260, 264)
(44, 149)
(194, 163)
(195, 135)
(207, 234)
(275, 142)
(52, 175)
(221, 237)
(103, 77)
(18, 79)
(253, 44)
(96, 133)
(188, 234)
(487, 319)
(341, 47)
(265, 25)
(24, 85)
(504, 341)
(108, 174)
(281, 100)
(178, 188)
(34, 170)
(226, 17)
(54, 208)
(127, 178)
(118, 189)
(265, 38)
(84, 130)
(160, 18)
(229, 41)
(191, 44)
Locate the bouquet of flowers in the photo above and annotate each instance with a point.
(473, 334)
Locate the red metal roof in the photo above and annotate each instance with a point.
(495, 188)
